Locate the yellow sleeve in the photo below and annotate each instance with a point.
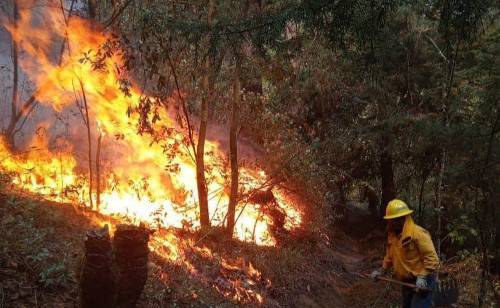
(427, 250)
(387, 258)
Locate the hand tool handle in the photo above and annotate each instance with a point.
(406, 284)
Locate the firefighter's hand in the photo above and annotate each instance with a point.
(421, 283)
(376, 273)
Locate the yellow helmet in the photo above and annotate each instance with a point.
(397, 208)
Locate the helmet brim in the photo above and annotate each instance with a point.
(401, 214)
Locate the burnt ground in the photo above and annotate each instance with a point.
(41, 249)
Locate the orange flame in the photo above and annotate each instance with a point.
(135, 183)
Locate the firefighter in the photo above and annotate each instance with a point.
(411, 254)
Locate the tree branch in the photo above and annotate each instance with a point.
(437, 48)
(116, 14)
(183, 104)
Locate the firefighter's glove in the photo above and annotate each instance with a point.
(377, 273)
(421, 282)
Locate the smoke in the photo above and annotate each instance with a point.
(248, 151)
(66, 123)
(42, 114)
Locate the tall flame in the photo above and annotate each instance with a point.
(135, 184)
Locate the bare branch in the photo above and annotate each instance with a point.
(183, 103)
(437, 48)
(117, 14)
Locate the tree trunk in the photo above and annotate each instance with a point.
(131, 252)
(98, 171)
(66, 21)
(97, 286)
(439, 199)
(371, 195)
(387, 174)
(92, 8)
(200, 161)
(496, 256)
(200, 149)
(425, 175)
(9, 134)
(89, 139)
(233, 149)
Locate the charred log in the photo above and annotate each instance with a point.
(262, 197)
(131, 259)
(278, 219)
(96, 278)
(271, 208)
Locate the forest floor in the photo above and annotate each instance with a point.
(41, 249)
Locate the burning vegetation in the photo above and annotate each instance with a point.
(94, 152)
(131, 176)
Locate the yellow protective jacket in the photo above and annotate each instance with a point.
(412, 253)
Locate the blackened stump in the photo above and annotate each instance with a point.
(96, 278)
(131, 261)
(270, 206)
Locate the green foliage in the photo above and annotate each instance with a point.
(461, 18)
(462, 230)
(55, 275)
(40, 256)
(52, 271)
(13, 201)
(31, 244)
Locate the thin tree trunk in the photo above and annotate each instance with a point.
(442, 165)
(373, 200)
(495, 265)
(184, 108)
(444, 110)
(61, 173)
(387, 174)
(421, 197)
(15, 81)
(200, 150)
(89, 139)
(233, 148)
(482, 221)
(116, 13)
(496, 258)
(98, 171)
(200, 157)
(66, 21)
(92, 8)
